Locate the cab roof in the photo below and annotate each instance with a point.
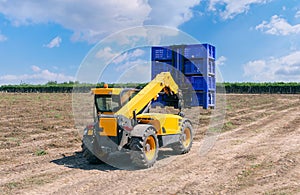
(107, 91)
(111, 91)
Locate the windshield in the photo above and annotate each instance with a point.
(107, 103)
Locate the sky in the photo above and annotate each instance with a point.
(52, 40)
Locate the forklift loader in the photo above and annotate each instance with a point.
(123, 123)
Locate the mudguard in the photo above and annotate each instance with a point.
(139, 130)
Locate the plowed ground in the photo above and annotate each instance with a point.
(256, 152)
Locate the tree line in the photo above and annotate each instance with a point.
(66, 87)
(69, 87)
(257, 88)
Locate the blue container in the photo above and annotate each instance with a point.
(211, 67)
(196, 62)
(211, 82)
(199, 66)
(196, 67)
(158, 67)
(211, 99)
(198, 99)
(161, 53)
(199, 51)
(205, 99)
(202, 83)
(195, 51)
(198, 82)
(158, 102)
(211, 50)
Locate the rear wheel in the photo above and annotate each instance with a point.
(144, 149)
(186, 139)
(89, 156)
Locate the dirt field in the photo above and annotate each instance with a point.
(256, 152)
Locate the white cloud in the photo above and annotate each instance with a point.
(221, 61)
(129, 59)
(230, 8)
(35, 68)
(286, 68)
(92, 20)
(135, 71)
(2, 37)
(106, 54)
(37, 77)
(54, 42)
(283, 8)
(171, 12)
(128, 64)
(138, 52)
(297, 15)
(128, 56)
(121, 58)
(278, 26)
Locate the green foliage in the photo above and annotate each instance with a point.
(40, 152)
(66, 87)
(257, 88)
(71, 86)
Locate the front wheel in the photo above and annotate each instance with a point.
(144, 149)
(186, 139)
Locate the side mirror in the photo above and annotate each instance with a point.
(134, 118)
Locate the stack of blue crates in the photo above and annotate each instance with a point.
(197, 64)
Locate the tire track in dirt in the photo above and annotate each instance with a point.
(229, 168)
(31, 166)
(177, 171)
(247, 117)
(46, 140)
(247, 149)
(118, 177)
(238, 117)
(270, 159)
(243, 149)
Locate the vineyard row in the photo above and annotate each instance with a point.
(252, 88)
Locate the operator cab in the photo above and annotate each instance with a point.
(110, 100)
(107, 103)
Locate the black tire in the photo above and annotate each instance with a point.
(89, 156)
(144, 150)
(186, 139)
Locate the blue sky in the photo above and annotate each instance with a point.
(40, 41)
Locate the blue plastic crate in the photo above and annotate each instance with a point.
(202, 98)
(198, 82)
(211, 83)
(211, 67)
(198, 99)
(211, 99)
(161, 53)
(199, 66)
(158, 67)
(211, 50)
(199, 51)
(194, 67)
(164, 66)
(158, 102)
(205, 99)
(202, 83)
(196, 62)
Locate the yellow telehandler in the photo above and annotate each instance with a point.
(123, 123)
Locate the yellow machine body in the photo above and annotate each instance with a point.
(131, 101)
(123, 123)
(107, 91)
(109, 126)
(165, 124)
(137, 103)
